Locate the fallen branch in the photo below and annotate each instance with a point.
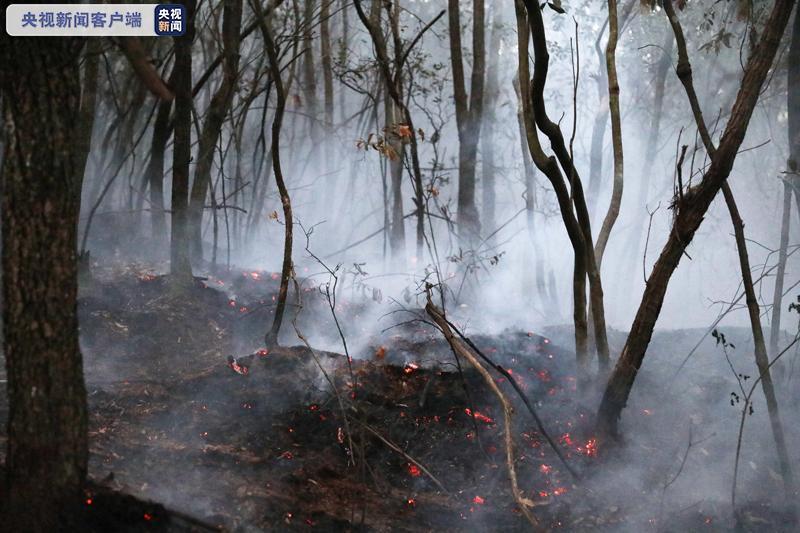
(407, 457)
(506, 374)
(459, 349)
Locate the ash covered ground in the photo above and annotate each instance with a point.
(189, 410)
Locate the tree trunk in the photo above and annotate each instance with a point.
(690, 208)
(762, 359)
(575, 195)
(271, 338)
(154, 174)
(780, 273)
(47, 456)
(488, 165)
(180, 265)
(616, 134)
(309, 71)
(392, 82)
(469, 113)
(212, 125)
(549, 167)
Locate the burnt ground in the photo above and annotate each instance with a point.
(263, 444)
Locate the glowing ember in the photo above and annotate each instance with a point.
(340, 435)
(313, 407)
(478, 500)
(543, 375)
(380, 353)
(545, 469)
(566, 439)
(148, 516)
(255, 275)
(287, 455)
(263, 352)
(89, 501)
(543, 494)
(479, 416)
(232, 303)
(411, 502)
(414, 470)
(236, 367)
(559, 491)
(590, 448)
(410, 368)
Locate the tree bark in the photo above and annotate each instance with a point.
(488, 164)
(690, 208)
(549, 167)
(575, 194)
(392, 81)
(154, 173)
(469, 112)
(780, 273)
(616, 134)
(762, 359)
(212, 125)
(47, 456)
(271, 338)
(180, 264)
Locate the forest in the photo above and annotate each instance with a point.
(404, 265)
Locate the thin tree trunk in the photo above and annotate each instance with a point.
(393, 81)
(690, 208)
(397, 234)
(762, 359)
(271, 338)
(616, 134)
(780, 273)
(469, 112)
(47, 455)
(154, 173)
(212, 125)
(575, 194)
(488, 164)
(549, 167)
(309, 71)
(180, 264)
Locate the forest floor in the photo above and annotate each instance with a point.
(261, 443)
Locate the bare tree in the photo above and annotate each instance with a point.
(469, 111)
(180, 264)
(271, 338)
(571, 200)
(689, 208)
(491, 97)
(392, 74)
(214, 119)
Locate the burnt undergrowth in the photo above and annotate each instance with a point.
(189, 411)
